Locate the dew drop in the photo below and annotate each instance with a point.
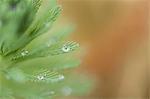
(66, 48)
(24, 53)
(40, 77)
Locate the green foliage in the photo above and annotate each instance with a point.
(33, 64)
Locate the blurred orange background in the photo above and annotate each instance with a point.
(115, 36)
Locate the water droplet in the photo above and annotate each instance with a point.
(66, 48)
(48, 76)
(24, 53)
(40, 77)
(66, 91)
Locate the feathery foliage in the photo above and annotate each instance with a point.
(34, 65)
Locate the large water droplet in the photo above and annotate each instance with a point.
(66, 48)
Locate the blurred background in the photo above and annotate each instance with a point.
(114, 37)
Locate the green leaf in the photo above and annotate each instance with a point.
(46, 76)
(60, 62)
(47, 50)
(36, 59)
(36, 4)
